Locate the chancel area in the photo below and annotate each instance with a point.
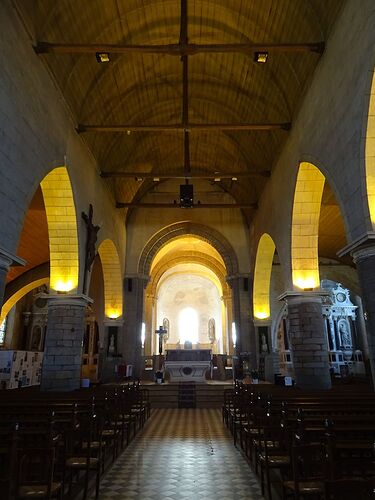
(187, 249)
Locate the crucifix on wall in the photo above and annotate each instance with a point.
(91, 237)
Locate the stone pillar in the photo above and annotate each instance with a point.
(242, 300)
(148, 319)
(364, 258)
(307, 339)
(6, 261)
(134, 302)
(62, 360)
(228, 346)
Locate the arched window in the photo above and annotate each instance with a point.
(188, 325)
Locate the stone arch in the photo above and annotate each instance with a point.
(113, 299)
(62, 230)
(7, 306)
(194, 258)
(305, 226)
(369, 153)
(262, 277)
(179, 229)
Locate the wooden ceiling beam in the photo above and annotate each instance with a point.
(196, 205)
(185, 85)
(82, 127)
(177, 49)
(182, 175)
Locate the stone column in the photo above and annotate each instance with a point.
(364, 258)
(148, 319)
(134, 302)
(307, 339)
(62, 360)
(6, 261)
(228, 349)
(242, 300)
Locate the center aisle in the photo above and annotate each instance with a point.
(181, 454)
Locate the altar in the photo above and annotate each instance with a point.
(188, 365)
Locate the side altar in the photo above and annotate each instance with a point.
(188, 365)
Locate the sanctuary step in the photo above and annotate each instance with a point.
(186, 395)
(207, 395)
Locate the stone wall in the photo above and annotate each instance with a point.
(327, 132)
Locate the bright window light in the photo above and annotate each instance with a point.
(234, 334)
(143, 334)
(188, 325)
(3, 329)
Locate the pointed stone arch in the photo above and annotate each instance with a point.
(113, 299)
(305, 226)
(177, 230)
(262, 277)
(62, 230)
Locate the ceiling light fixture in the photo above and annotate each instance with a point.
(186, 196)
(217, 179)
(260, 57)
(102, 57)
(234, 179)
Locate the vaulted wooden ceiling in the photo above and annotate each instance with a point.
(179, 89)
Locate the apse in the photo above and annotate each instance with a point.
(190, 299)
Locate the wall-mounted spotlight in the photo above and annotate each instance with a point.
(260, 57)
(102, 57)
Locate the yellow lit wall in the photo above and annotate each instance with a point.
(62, 230)
(262, 277)
(305, 226)
(370, 154)
(7, 306)
(112, 279)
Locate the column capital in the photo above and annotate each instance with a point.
(363, 253)
(232, 277)
(364, 241)
(145, 278)
(7, 259)
(262, 322)
(63, 300)
(113, 322)
(300, 296)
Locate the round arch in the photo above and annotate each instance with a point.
(369, 153)
(305, 226)
(193, 258)
(179, 229)
(7, 306)
(262, 277)
(62, 230)
(113, 299)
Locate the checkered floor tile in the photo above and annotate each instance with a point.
(181, 454)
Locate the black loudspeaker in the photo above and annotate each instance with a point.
(246, 284)
(130, 284)
(186, 195)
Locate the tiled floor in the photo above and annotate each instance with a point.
(181, 454)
